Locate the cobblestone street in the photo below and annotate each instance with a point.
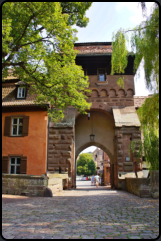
(87, 213)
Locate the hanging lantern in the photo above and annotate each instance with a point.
(92, 137)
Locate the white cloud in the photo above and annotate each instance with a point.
(135, 10)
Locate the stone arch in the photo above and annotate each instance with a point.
(103, 93)
(121, 92)
(130, 93)
(94, 93)
(93, 143)
(97, 107)
(101, 124)
(112, 93)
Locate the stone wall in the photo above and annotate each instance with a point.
(61, 146)
(109, 93)
(139, 186)
(154, 184)
(29, 185)
(123, 137)
(60, 150)
(144, 187)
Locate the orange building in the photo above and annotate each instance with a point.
(24, 131)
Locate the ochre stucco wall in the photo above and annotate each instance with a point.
(34, 146)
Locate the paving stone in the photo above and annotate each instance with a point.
(134, 237)
(80, 214)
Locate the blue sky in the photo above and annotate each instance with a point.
(106, 18)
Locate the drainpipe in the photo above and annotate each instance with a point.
(47, 146)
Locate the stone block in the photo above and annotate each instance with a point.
(52, 131)
(54, 181)
(53, 160)
(119, 146)
(65, 131)
(128, 163)
(53, 152)
(69, 137)
(66, 153)
(62, 161)
(62, 147)
(106, 100)
(62, 142)
(155, 194)
(120, 164)
(136, 136)
(63, 137)
(54, 137)
(119, 135)
(128, 168)
(120, 153)
(50, 146)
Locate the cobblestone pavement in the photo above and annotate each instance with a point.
(80, 214)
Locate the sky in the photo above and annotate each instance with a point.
(108, 17)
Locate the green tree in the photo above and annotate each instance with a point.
(149, 118)
(86, 165)
(145, 46)
(37, 43)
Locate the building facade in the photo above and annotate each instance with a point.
(34, 145)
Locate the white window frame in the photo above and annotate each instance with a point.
(15, 164)
(22, 92)
(17, 134)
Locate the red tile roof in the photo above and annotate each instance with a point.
(94, 47)
(9, 96)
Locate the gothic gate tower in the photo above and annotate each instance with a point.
(113, 112)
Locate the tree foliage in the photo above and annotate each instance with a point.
(149, 117)
(37, 43)
(86, 165)
(145, 45)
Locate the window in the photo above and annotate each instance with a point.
(102, 74)
(21, 92)
(17, 125)
(15, 165)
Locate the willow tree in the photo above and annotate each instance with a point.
(37, 43)
(145, 46)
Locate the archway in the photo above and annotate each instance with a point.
(101, 124)
(103, 169)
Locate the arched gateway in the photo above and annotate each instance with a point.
(112, 118)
